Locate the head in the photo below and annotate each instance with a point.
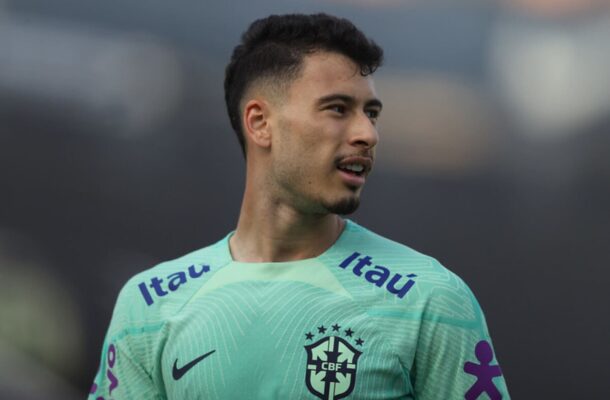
(301, 100)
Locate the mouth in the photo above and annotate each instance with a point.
(355, 168)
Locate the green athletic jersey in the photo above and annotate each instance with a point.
(367, 319)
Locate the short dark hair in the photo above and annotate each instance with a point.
(274, 47)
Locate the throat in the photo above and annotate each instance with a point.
(273, 243)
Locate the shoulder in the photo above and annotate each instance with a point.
(403, 271)
(364, 238)
(152, 295)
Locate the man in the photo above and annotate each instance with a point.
(297, 302)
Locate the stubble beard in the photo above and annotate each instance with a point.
(308, 204)
(344, 206)
(293, 184)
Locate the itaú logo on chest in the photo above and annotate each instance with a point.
(172, 283)
(378, 274)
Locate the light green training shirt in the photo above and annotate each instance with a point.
(367, 319)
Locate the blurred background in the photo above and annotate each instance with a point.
(116, 153)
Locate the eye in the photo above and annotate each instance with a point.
(373, 114)
(338, 108)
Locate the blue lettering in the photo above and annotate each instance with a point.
(175, 280)
(378, 276)
(195, 274)
(362, 262)
(405, 288)
(145, 293)
(349, 260)
(155, 283)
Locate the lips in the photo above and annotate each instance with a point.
(357, 165)
(354, 169)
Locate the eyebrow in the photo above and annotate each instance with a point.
(349, 100)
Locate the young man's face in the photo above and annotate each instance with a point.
(325, 134)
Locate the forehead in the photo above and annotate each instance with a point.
(325, 73)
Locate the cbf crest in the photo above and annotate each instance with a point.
(332, 362)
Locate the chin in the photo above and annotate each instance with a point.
(344, 206)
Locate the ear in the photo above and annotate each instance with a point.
(256, 122)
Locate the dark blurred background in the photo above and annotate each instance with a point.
(116, 153)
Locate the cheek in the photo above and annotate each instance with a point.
(306, 147)
(297, 142)
(319, 138)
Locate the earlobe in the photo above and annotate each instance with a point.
(256, 123)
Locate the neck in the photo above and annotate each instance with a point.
(271, 231)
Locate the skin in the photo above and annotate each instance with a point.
(295, 142)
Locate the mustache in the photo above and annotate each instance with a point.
(364, 158)
(368, 153)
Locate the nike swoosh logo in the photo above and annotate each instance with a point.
(178, 373)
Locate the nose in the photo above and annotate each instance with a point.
(363, 132)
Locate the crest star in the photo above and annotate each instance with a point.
(321, 329)
(359, 342)
(349, 332)
(309, 335)
(336, 327)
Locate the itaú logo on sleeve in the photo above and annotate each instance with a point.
(162, 287)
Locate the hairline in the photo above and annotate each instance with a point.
(278, 84)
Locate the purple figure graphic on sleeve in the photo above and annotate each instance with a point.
(484, 373)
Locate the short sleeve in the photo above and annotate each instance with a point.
(126, 369)
(455, 358)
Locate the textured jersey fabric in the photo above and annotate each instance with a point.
(367, 319)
